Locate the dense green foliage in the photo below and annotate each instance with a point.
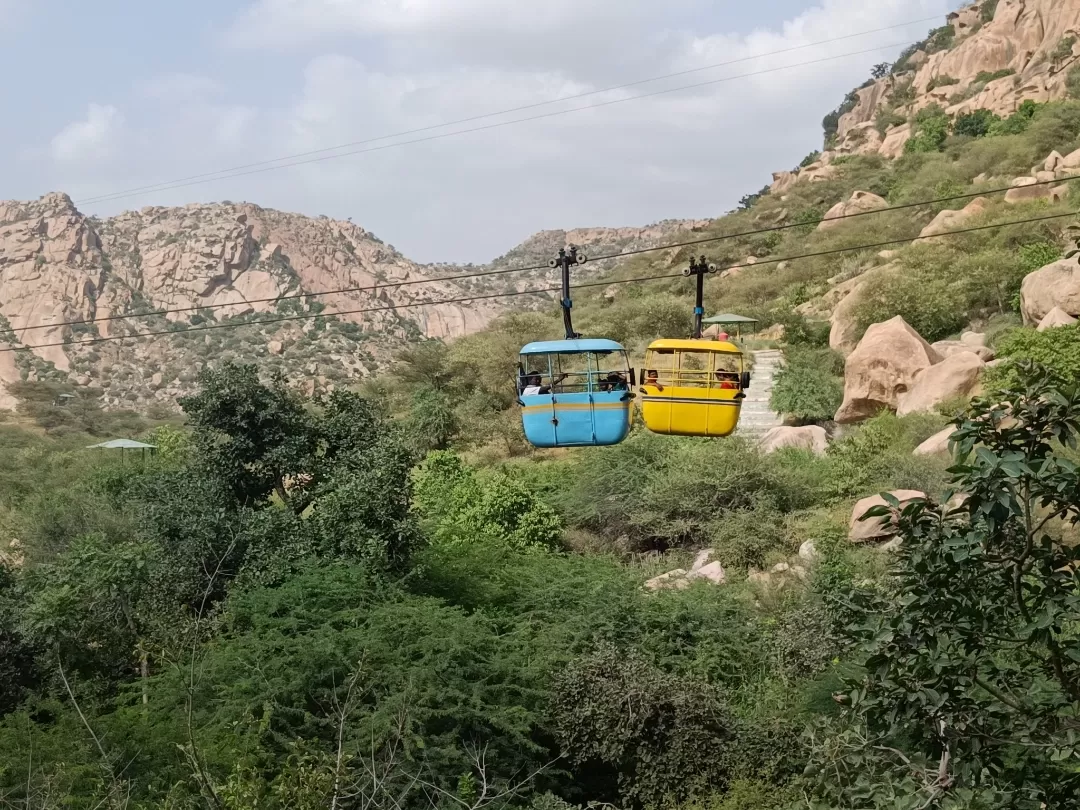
(386, 599)
(810, 385)
(968, 677)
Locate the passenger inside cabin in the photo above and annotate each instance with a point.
(534, 388)
(613, 382)
(653, 379)
(728, 379)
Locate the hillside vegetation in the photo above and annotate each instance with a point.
(381, 598)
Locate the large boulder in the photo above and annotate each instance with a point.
(811, 437)
(955, 376)
(1053, 162)
(951, 220)
(860, 202)
(782, 182)
(936, 444)
(882, 369)
(1070, 161)
(1025, 189)
(1056, 285)
(947, 348)
(860, 531)
(1055, 317)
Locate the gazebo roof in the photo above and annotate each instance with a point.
(123, 444)
(729, 318)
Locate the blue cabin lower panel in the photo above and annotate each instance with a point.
(576, 420)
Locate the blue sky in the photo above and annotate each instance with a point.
(107, 96)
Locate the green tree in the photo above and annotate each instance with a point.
(432, 422)
(970, 667)
(251, 435)
(89, 604)
(976, 123)
(808, 386)
(656, 737)
(18, 670)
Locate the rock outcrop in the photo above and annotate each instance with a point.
(1055, 286)
(954, 377)
(810, 437)
(995, 64)
(936, 444)
(947, 348)
(860, 202)
(877, 528)
(1056, 317)
(948, 220)
(882, 369)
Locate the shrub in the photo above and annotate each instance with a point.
(811, 158)
(888, 117)
(987, 76)
(1018, 122)
(1037, 254)
(461, 507)
(987, 9)
(942, 81)
(940, 39)
(1064, 49)
(976, 123)
(1072, 82)
(903, 93)
(671, 746)
(1058, 349)
(934, 306)
(808, 386)
(931, 130)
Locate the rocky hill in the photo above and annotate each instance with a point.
(224, 263)
(993, 55)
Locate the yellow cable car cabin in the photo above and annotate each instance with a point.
(693, 387)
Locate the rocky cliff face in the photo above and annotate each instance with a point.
(991, 55)
(222, 264)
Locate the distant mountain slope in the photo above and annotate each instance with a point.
(229, 262)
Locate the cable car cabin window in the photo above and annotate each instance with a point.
(694, 369)
(578, 373)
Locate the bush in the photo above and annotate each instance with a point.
(671, 746)
(987, 9)
(887, 118)
(934, 306)
(931, 130)
(1072, 83)
(809, 387)
(986, 76)
(460, 507)
(1018, 122)
(942, 81)
(1064, 49)
(976, 124)
(1058, 349)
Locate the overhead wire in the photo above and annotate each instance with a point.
(516, 293)
(229, 172)
(498, 124)
(372, 289)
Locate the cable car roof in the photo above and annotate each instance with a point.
(695, 346)
(572, 346)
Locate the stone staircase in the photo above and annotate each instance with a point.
(757, 417)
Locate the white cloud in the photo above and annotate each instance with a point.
(691, 153)
(178, 87)
(92, 137)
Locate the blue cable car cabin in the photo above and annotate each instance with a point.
(575, 393)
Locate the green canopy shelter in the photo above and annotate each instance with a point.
(737, 321)
(123, 445)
